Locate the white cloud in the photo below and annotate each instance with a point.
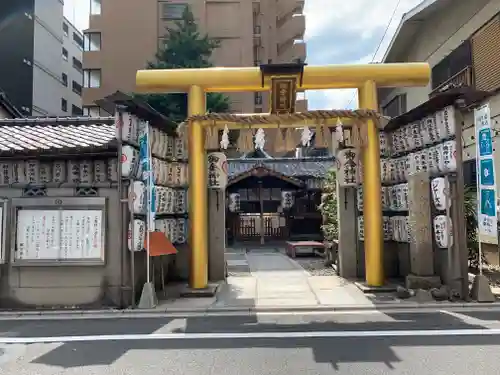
(337, 31)
(355, 21)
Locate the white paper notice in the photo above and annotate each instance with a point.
(57, 234)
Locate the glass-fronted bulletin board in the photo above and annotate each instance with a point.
(58, 231)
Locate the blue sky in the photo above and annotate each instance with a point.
(337, 32)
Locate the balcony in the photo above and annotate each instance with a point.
(294, 51)
(287, 7)
(464, 78)
(293, 28)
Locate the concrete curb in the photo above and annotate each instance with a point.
(137, 313)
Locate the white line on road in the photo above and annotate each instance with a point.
(250, 335)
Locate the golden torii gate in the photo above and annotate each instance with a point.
(197, 82)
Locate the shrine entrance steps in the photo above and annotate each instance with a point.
(266, 277)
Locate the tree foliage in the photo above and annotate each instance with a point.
(184, 47)
(470, 205)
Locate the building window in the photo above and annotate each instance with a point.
(65, 29)
(64, 105)
(77, 64)
(457, 61)
(92, 78)
(92, 41)
(77, 88)
(258, 98)
(64, 78)
(77, 38)
(65, 54)
(76, 111)
(172, 11)
(92, 111)
(470, 173)
(486, 56)
(95, 7)
(395, 107)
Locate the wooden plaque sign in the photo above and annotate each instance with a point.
(283, 95)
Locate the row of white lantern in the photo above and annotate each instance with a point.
(174, 229)
(166, 200)
(234, 201)
(58, 171)
(435, 160)
(164, 172)
(162, 145)
(397, 228)
(426, 132)
(393, 198)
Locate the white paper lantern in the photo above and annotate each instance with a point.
(443, 231)
(385, 146)
(234, 202)
(416, 135)
(431, 129)
(136, 243)
(361, 228)
(440, 188)
(449, 121)
(450, 156)
(137, 197)
(387, 228)
(359, 198)
(129, 162)
(287, 199)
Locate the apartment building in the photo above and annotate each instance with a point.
(72, 70)
(32, 70)
(124, 34)
(461, 42)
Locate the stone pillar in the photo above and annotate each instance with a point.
(346, 209)
(216, 235)
(420, 223)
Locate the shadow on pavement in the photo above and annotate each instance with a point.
(325, 350)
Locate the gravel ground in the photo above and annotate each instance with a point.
(315, 265)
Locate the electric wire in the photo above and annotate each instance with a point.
(380, 43)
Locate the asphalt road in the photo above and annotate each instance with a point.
(285, 344)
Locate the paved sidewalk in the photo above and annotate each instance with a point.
(275, 280)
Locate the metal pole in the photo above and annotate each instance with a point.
(131, 199)
(121, 211)
(148, 209)
(447, 200)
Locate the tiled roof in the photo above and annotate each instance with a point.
(292, 167)
(45, 135)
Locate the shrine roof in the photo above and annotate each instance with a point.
(291, 167)
(51, 135)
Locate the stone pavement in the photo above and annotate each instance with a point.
(268, 278)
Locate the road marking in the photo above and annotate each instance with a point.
(250, 335)
(176, 324)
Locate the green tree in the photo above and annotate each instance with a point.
(184, 47)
